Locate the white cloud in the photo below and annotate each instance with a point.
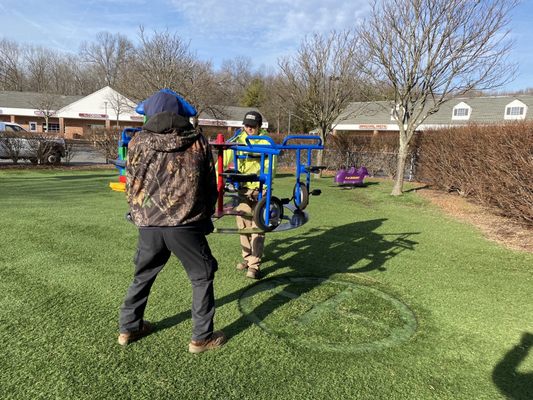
(262, 30)
(277, 20)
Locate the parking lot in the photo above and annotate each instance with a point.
(82, 154)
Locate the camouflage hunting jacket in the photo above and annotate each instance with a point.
(170, 174)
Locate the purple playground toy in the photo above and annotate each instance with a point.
(351, 176)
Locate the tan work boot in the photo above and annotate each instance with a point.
(128, 337)
(216, 340)
(253, 273)
(242, 266)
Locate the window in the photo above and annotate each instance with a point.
(515, 110)
(51, 127)
(95, 126)
(33, 126)
(13, 128)
(461, 112)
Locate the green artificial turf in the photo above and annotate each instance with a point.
(375, 297)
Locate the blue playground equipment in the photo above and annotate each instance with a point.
(301, 190)
(269, 212)
(120, 163)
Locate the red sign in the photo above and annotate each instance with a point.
(85, 115)
(372, 126)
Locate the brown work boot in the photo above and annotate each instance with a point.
(216, 340)
(253, 273)
(242, 266)
(128, 337)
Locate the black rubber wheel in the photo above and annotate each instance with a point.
(300, 195)
(53, 158)
(275, 214)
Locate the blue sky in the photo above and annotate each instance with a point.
(217, 29)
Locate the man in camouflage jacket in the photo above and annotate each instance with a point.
(171, 191)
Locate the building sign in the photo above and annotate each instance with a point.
(86, 115)
(372, 126)
(216, 122)
(137, 118)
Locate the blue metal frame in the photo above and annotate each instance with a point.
(300, 167)
(264, 150)
(270, 150)
(123, 142)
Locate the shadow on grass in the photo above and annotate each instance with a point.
(320, 252)
(284, 174)
(358, 186)
(326, 251)
(88, 176)
(512, 383)
(417, 188)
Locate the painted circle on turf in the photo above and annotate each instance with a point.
(328, 314)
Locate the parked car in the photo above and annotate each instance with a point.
(17, 143)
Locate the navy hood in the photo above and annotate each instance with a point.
(160, 102)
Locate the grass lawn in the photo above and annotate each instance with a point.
(374, 298)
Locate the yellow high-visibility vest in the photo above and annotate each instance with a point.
(251, 164)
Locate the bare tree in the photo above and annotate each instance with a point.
(203, 89)
(11, 75)
(106, 142)
(430, 51)
(86, 80)
(241, 85)
(108, 55)
(322, 78)
(234, 76)
(41, 149)
(11, 146)
(66, 74)
(162, 60)
(46, 105)
(38, 67)
(119, 104)
(277, 107)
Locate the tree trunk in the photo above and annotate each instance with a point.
(319, 161)
(320, 153)
(397, 190)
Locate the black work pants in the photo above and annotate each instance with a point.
(153, 251)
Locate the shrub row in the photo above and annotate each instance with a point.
(492, 165)
(378, 153)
